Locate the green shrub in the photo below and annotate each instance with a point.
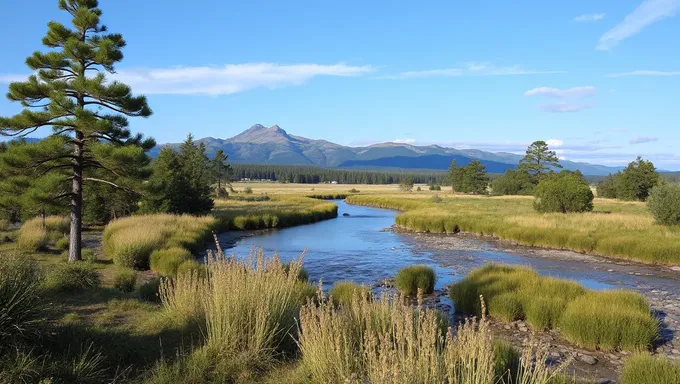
(62, 243)
(21, 304)
(664, 203)
(410, 279)
(605, 320)
(435, 187)
(563, 192)
(124, 280)
(72, 276)
(513, 182)
(608, 187)
(149, 291)
(610, 319)
(436, 199)
(645, 369)
(166, 261)
(344, 292)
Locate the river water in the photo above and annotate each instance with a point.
(363, 248)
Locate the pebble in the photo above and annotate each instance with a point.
(613, 357)
(588, 359)
(523, 329)
(675, 352)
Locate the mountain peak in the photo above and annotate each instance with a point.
(259, 134)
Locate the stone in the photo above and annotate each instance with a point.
(675, 352)
(590, 360)
(523, 329)
(507, 327)
(612, 356)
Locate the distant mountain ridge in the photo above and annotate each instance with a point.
(262, 145)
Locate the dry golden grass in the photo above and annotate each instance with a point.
(35, 234)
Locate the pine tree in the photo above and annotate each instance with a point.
(221, 171)
(88, 114)
(539, 160)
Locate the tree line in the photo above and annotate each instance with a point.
(316, 175)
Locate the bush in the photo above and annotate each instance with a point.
(21, 304)
(354, 190)
(418, 189)
(149, 291)
(248, 191)
(62, 243)
(344, 292)
(436, 199)
(166, 261)
(124, 280)
(435, 187)
(563, 192)
(33, 236)
(72, 276)
(645, 369)
(191, 266)
(410, 279)
(664, 203)
(608, 187)
(513, 182)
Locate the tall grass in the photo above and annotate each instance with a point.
(411, 279)
(606, 320)
(344, 292)
(68, 276)
(247, 310)
(131, 240)
(387, 341)
(22, 307)
(645, 369)
(277, 212)
(35, 234)
(615, 229)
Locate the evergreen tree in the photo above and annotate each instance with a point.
(538, 161)
(471, 178)
(608, 188)
(454, 176)
(513, 182)
(181, 181)
(636, 180)
(88, 115)
(221, 171)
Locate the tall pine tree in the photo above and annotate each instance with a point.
(69, 92)
(539, 160)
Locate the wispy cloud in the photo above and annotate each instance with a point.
(471, 69)
(647, 13)
(575, 92)
(563, 107)
(6, 79)
(645, 72)
(589, 17)
(227, 79)
(643, 139)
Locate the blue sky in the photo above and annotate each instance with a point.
(599, 79)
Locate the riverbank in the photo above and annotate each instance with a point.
(623, 230)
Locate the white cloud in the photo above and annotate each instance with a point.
(9, 78)
(231, 78)
(562, 93)
(227, 79)
(404, 141)
(647, 13)
(554, 143)
(643, 139)
(470, 69)
(645, 72)
(589, 17)
(562, 107)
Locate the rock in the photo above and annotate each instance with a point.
(6, 239)
(523, 329)
(612, 357)
(507, 327)
(345, 214)
(555, 354)
(590, 360)
(675, 352)
(604, 381)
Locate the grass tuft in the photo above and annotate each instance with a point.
(21, 305)
(72, 276)
(344, 292)
(645, 369)
(125, 279)
(416, 277)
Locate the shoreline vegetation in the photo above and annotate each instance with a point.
(616, 229)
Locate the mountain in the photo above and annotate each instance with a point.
(262, 145)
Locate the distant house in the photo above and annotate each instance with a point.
(334, 182)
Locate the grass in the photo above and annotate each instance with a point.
(21, 303)
(410, 280)
(329, 196)
(606, 319)
(165, 262)
(76, 276)
(615, 229)
(277, 212)
(34, 235)
(131, 241)
(387, 341)
(645, 369)
(344, 292)
(125, 279)
(247, 310)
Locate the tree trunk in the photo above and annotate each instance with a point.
(75, 238)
